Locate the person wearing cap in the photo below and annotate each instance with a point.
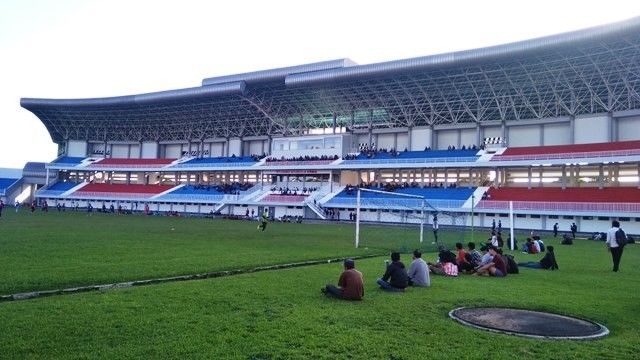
(350, 285)
(418, 271)
(395, 278)
(497, 267)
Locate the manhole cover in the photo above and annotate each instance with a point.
(529, 323)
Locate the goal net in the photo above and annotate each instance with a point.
(403, 222)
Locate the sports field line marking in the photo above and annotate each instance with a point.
(200, 276)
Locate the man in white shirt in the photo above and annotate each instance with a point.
(418, 273)
(613, 246)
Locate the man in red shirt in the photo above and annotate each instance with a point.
(497, 267)
(351, 285)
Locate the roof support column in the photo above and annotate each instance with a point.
(478, 134)
(503, 131)
(370, 128)
(333, 125)
(611, 128)
(434, 138)
(572, 129)
(409, 131)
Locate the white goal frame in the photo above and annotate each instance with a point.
(422, 210)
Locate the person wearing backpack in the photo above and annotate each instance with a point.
(616, 240)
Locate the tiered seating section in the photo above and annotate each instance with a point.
(108, 191)
(69, 161)
(58, 188)
(436, 196)
(208, 193)
(386, 157)
(219, 161)
(301, 160)
(621, 148)
(620, 199)
(5, 183)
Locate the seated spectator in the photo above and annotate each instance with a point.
(474, 255)
(547, 262)
(497, 267)
(418, 271)
(446, 264)
(530, 247)
(395, 277)
(461, 259)
(350, 284)
(567, 239)
(486, 256)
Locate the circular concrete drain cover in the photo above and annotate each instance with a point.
(529, 323)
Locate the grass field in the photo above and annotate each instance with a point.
(279, 314)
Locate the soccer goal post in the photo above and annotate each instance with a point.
(406, 208)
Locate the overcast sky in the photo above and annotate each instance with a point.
(82, 49)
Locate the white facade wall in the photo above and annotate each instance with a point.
(629, 128)
(592, 129)
(149, 150)
(557, 134)
(445, 138)
(524, 135)
(491, 131)
(385, 141)
(173, 151)
(120, 151)
(420, 138)
(467, 137)
(235, 147)
(256, 147)
(77, 148)
(402, 141)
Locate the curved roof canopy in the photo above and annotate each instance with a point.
(581, 72)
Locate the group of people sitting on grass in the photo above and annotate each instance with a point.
(489, 261)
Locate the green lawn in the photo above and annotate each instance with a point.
(280, 314)
(49, 251)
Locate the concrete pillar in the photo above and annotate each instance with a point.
(529, 172)
(610, 129)
(572, 129)
(563, 178)
(478, 134)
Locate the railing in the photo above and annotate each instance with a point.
(561, 206)
(108, 195)
(126, 166)
(575, 155)
(411, 160)
(194, 197)
(214, 164)
(284, 198)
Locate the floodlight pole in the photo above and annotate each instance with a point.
(358, 218)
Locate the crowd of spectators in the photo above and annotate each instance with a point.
(371, 151)
(393, 186)
(233, 188)
(304, 158)
(294, 191)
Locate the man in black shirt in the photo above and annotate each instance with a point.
(395, 277)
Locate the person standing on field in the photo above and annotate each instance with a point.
(616, 239)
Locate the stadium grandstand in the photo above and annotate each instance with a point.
(550, 125)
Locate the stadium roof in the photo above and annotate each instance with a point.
(582, 72)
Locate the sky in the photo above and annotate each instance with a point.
(85, 49)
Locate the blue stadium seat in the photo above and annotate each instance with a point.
(218, 161)
(5, 183)
(68, 160)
